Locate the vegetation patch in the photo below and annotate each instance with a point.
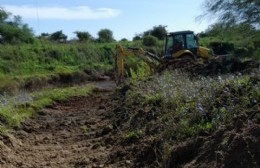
(15, 109)
(176, 107)
(42, 63)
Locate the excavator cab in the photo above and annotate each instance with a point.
(180, 50)
(179, 43)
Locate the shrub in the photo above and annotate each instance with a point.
(141, 73)
(256, 55)
(150, 41)
(188, 106)
(241, 52)
(221, 48)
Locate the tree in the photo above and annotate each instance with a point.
(105, 36)
(124, 40)
(157, 31)
(237, 31)
(137, 37)
(44, 36)
(13, 30)
(83, 36)
(58, 36)
(234, 11)
(3, 15)
(215, 29)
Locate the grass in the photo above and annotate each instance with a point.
(175, 106)
(15, 109)
(43, 60)
(203, 102)
(132, 136)
(85, 129)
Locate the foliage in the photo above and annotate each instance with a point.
(221, 48)
(83, 36)
(182, 106)
(132, 136)
(124, 40)
(141, 73)
(137, 37)
(234, 11)
(3, 15)
(157, 31)
(105, 36)
(244, 37)
(41, 62)
(12, 30)
(48, 57)
(58, 36)
(150, 41)
(256, 55)
(176, 107)
(47, 97)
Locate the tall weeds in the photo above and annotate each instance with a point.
(186, 105)
(29, 59)
(43, 60)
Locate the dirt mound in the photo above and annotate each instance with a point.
(233, 65)
(232, 144)
(214, 67)
(235, 145)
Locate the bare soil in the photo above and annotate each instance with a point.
(75, 133)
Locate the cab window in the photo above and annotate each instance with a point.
(191, 42)
(178, 43)
(169, 44)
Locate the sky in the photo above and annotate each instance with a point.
(125, 18)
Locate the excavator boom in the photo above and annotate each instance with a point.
(121, 53)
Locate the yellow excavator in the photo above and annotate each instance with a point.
(180, 48)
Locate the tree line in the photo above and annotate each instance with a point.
(243, 15)
(13, 30)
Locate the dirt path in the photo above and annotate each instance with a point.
(75, 133)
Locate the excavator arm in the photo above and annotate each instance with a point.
(121, 53)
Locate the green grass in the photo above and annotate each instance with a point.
(47, 97)
(17, 109)
(132, 136)
(185, 106)
(41, 61)
(45, 58)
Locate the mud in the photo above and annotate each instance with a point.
(75, 133)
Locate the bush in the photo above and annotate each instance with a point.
(150, 41)
(189, 106)
(221, 48)
(256, 55)
(256, 44)
(241, 52)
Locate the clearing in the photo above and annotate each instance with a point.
(74, 133)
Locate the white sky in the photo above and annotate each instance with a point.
(125, 18)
